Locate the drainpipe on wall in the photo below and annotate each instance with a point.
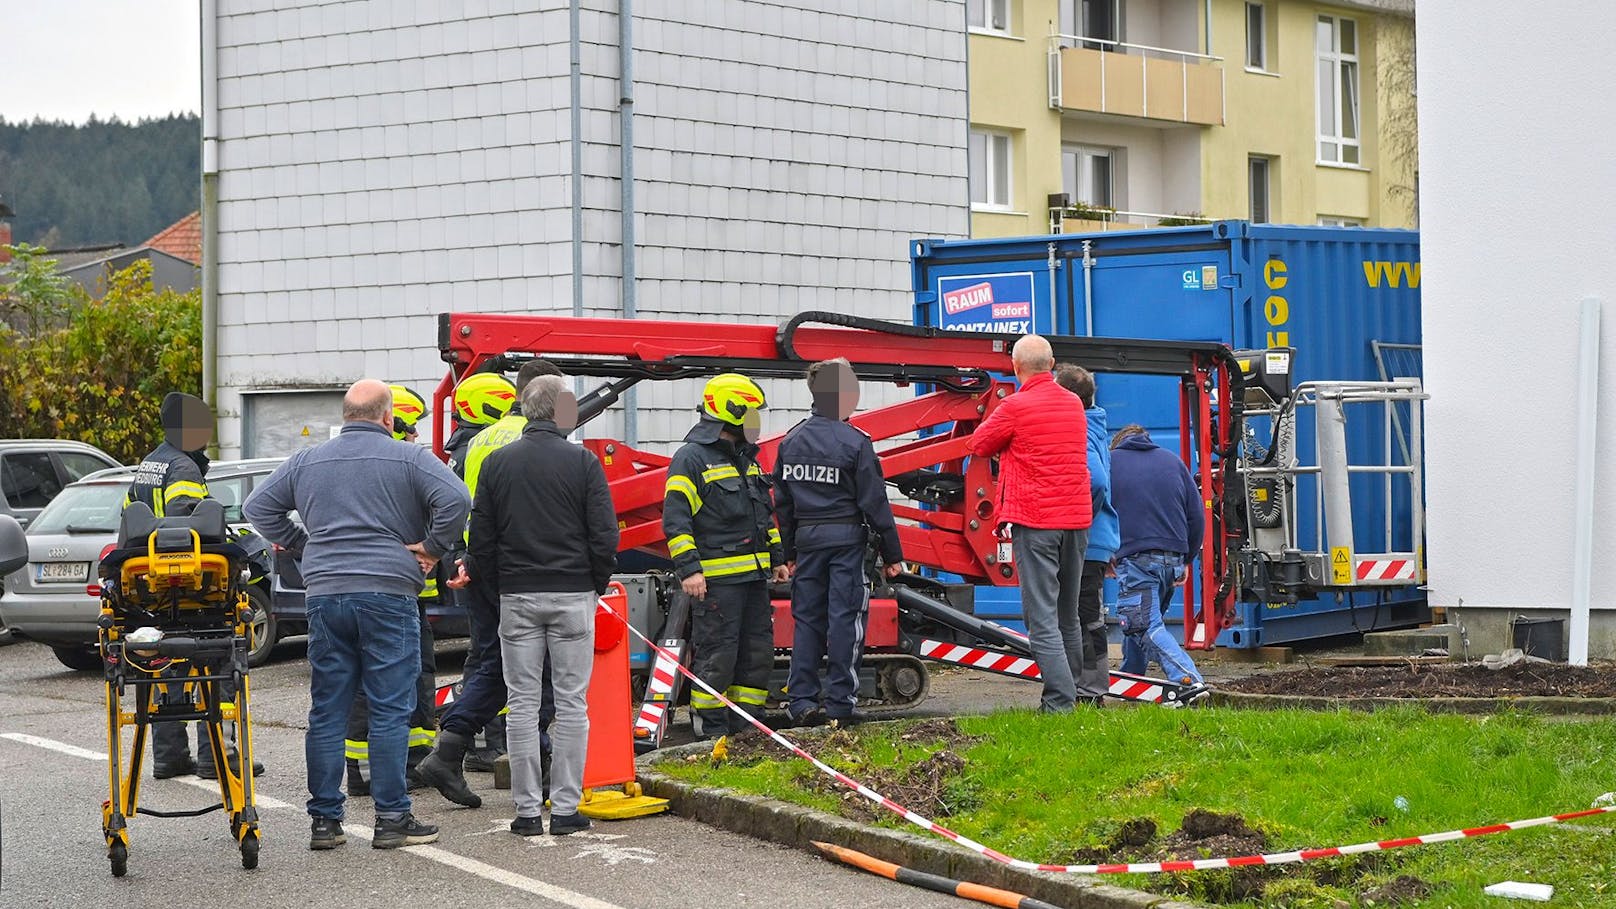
(210, 201)
(576, 77)
(1208, 49)
(1582, 546)
(625, 114)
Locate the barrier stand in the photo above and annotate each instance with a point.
(610, 761)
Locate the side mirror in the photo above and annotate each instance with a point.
(13, 545)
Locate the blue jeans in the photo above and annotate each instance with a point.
(1145, 583)
(371, 640)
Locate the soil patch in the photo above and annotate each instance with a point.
(1430, 681)
(1399, 891)
(928, 786)
(1208, 834)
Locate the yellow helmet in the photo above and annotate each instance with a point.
(483, 398)
(729, 396)
(408, 409)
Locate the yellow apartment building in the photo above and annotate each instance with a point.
(1121, 114)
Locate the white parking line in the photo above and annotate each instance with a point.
(534, 886)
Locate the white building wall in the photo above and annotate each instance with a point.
(384, 162)
(1500, 297)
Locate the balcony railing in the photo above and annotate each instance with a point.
(1084, 219)
(1135, 80)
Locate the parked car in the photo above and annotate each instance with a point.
(33, 471)
(47, 600)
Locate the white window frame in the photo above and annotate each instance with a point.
(1267, 189)
(1084, 152)
(1337, 221)
(995, 19)
(1334, 134)
(1260, 64)
(999, 148)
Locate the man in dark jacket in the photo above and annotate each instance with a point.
(1095, 680)
(1162, 520)
(1044, 510)
(829, 495)
(719, 523)
(544, 537)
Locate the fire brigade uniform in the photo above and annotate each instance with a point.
(719, 521)
(829, 494)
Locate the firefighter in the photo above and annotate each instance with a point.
(171, 481)
(408, 408)
(482, 694)
(830, 495)
(719, 523)
(480, 400)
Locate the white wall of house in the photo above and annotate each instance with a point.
(383, 162)
(1500, 306)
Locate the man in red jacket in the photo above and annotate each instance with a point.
(1044, 510)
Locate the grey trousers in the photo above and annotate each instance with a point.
(1050, 563)
(561, 625)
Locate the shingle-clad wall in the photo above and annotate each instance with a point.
(382, 161)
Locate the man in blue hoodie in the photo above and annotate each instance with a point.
(1162, 520)
(1095, 679)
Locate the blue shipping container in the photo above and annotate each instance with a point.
(1347, 300)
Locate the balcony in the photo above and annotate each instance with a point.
(1066, 218)
(1135, 80)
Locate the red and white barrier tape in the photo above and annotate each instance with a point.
(1272, 858)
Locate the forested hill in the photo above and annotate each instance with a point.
(98, 182)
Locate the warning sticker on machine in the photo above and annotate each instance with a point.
(1340, 565)
(987, 303)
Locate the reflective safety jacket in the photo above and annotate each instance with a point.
(716, 512)
(169, 481)
(491, 439)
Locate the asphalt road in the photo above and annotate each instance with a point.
(53, 780)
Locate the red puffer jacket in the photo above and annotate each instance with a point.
(1044, 472)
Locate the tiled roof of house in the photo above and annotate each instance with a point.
(183, 239)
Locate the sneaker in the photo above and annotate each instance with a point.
(528, 826)
(563, 824)
(404, 831)
(169, 771)
(326, 833)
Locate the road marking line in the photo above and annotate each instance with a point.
(472, 866)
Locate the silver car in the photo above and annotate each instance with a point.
(50, 600)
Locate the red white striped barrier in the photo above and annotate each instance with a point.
(1273, 858)
(980, 658)
(660, 702)
(1135, 689)
(1386, 570)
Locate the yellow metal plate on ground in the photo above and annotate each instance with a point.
(615, 805)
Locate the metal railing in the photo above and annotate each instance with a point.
(1116, 218)
(1058, 42)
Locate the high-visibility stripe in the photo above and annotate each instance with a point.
(754, 471)
(701, 700)
(421, 737)
(429, 590)
(774, 535)
(181, 489)
(687, 487)
(681, 544)
(741, 694)
(355, 751)
(712, 474)
(503, 711)
(718, 568)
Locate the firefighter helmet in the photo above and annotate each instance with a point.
(408, 409)
(729, 396)
(483, 398)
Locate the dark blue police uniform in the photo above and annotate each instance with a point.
(829, 495)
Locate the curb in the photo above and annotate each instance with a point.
(1557, 706)
(793, 825)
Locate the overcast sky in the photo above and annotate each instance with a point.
(67, 59)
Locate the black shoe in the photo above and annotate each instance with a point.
(326, 833)
(442, 770)
(563, 824)
(177, 768)
(814, 717)
(528, 826)
(207, 771)
(481, 760)
(406, 831)
(412, 781)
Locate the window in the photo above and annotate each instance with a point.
(1256, 37)
(79, 465)
(28, 479)
(1257, 168)
(1100, 19)
(990, 169)
(1333, 221)
(1337, 45)
(1087, 175)
(988, 15)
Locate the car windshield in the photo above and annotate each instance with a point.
(83, 508)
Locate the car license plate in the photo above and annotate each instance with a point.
(69, 572)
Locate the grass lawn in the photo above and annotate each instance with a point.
(1064, 789)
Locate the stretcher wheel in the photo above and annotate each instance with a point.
(118, 854)
(249, 850)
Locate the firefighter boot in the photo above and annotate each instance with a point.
(481, 760)
(442, 770)
(357, 784)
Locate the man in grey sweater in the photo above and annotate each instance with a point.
(377, 513)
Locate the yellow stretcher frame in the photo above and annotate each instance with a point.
(196, 586)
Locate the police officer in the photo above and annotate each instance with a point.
(829, 494)
(171, 481)
(408, 408)
(481, 702)
(719, 524)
